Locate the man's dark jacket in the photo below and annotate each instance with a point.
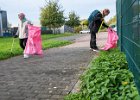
(96, 23)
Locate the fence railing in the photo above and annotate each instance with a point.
(128, 29)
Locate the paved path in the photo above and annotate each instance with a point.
(70, 38)
(49, 77)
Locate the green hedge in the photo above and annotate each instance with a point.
(108, 78)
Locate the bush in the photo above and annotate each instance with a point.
(108, 78)
(77, 29)
(46, 32)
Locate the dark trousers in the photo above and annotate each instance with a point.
(93, 39)
(22, 43)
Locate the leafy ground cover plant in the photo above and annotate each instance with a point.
(108, 78)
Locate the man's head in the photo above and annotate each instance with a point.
(106, 12)
(21, 16)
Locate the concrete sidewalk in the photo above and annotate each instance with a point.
(49, 77)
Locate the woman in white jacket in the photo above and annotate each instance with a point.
(22, 31)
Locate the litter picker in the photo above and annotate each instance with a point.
(12, 44)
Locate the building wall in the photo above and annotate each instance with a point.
(64, 29)
(3, 22)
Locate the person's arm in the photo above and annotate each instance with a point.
(17, 33)
(105, 25)
(26, 27)
(100, 17)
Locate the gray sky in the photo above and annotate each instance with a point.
(32, 8)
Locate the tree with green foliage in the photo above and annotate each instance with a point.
(52, 15)
(84, 23)
(73, 20)
(112, 20)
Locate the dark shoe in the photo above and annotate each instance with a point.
(95, 47)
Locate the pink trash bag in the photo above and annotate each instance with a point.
(34, 42)
(111, 41)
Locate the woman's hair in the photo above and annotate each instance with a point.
(21, 14)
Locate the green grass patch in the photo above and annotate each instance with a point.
(51, 36)
(55, 43)
(108, 78)
(47, 42)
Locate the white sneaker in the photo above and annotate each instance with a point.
(26, 56)
(91, 49)
(96, 50)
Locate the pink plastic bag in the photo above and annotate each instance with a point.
(112, 40)
(34, 42)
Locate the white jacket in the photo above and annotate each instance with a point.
(22, 31)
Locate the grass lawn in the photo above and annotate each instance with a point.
(50, 36)
(48, 42)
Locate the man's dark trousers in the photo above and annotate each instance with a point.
(93, 38)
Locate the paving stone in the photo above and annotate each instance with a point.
(45, 78)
